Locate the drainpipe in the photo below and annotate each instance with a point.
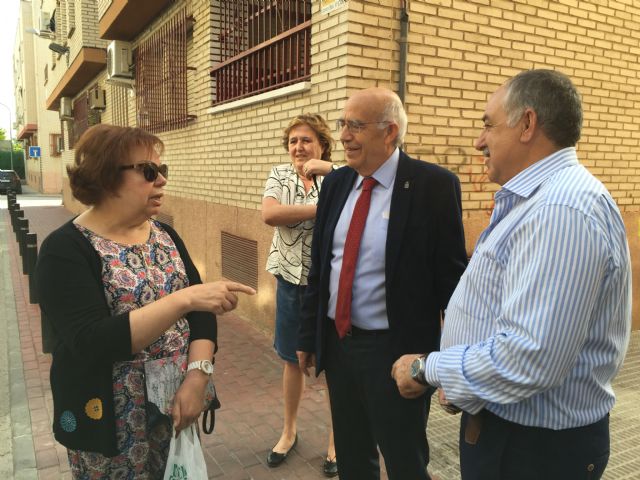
(404, 29)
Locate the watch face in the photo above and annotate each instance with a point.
(207, 367)
(415, 368)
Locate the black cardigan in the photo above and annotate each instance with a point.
(88, 338)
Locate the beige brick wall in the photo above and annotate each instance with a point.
(103, 6)
(459, 52)
(218, 165)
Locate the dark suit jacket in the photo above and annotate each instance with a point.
(425, 256)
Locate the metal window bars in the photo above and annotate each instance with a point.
(261, 45)
(161, 76)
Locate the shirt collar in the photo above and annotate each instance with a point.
(386, 173)
(526, 182)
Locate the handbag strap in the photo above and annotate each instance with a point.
(208, 421)
(209, 416)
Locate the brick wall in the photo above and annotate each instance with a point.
(103, 6)
(225, 157)
(458, 53)
(461, 51)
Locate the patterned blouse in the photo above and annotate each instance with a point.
(134, 276)
(290, 253)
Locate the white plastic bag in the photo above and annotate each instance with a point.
(186, 460)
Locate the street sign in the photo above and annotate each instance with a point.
(34, 152)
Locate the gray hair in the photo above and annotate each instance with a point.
(555, 100)
(394, 112)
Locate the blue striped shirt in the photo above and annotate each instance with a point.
(540, 321)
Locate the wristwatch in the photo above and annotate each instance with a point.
(205, 366)
(417, 369)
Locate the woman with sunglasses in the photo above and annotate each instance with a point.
(289, 205)
(121, 292)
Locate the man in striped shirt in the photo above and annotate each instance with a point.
(540, 321)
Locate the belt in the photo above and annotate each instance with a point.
(355, 332)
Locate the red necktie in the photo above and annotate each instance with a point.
(350, 257)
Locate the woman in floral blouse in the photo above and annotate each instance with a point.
(120, 292)
(289, 205)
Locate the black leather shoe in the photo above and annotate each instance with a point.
(330, 467)
(274, 458)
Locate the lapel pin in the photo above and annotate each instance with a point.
(406, 185)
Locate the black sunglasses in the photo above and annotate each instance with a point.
(150, 170)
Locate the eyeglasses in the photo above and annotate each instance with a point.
(150, 170)
(355, 126)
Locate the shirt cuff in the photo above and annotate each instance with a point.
(444, 370)
(431, 369)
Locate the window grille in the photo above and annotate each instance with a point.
(259, 45)
(161, 76)
(80, 121)
(83, 118)
(119, 105)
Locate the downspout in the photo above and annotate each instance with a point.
(404, 29)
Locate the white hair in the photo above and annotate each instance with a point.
(394, 112)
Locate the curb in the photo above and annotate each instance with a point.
(22, 459)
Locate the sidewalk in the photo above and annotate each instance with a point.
(248, 379)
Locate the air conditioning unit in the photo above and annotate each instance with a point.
(45, 22)
(97, 99)
(119, 60)
(66, 111)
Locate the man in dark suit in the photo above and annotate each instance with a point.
(377, 292)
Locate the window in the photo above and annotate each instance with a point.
(83, 118)
(62, 134)
(161, 76)
(55, 144)
(259, 45)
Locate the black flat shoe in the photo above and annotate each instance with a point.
(274, 458)
(330, 467)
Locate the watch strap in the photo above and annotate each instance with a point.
(200, 365)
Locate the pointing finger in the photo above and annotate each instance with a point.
(239, 287)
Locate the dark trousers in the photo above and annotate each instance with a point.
(492, 448)
(368, 411)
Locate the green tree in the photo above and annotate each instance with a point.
(3, 134)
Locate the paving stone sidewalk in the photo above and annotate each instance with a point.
(248, 379)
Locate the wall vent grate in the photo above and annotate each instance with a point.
(240, 259)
